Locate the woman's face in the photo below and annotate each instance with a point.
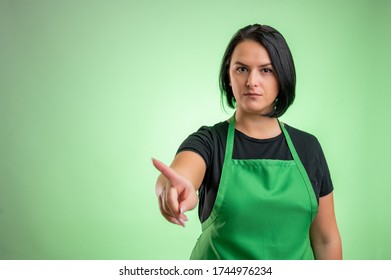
(252, 78)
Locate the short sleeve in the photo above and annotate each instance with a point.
(324, 177)
(313, 159)
(200, 142)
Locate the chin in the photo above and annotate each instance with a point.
(256, 110)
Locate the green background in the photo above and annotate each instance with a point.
(91, 90)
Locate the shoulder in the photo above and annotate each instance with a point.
(302, 139)
(206, 140)
(306, 144)
(218, 128)
(214, 133)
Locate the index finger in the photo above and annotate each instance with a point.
(168, 172)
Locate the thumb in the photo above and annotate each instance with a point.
(182, 207)
(189, 203)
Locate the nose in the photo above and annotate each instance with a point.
(253, 79)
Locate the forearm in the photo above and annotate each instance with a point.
(189, 165)
(325, 237)
(328, 250)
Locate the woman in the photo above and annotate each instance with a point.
(264, 187)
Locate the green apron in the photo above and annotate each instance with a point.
(263, 210)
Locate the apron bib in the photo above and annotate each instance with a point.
(263, 210)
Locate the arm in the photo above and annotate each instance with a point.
(325, 238)
(177, 185)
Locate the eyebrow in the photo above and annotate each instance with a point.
(243, 64)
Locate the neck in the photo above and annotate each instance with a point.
(257, 126)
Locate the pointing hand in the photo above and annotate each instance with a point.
(176, 196)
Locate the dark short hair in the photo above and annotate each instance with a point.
(280, 56)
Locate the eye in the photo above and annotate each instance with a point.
(267, 70)
(241, 69)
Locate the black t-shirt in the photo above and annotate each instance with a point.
(210, 141)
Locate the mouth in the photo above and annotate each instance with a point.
(252, 94)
